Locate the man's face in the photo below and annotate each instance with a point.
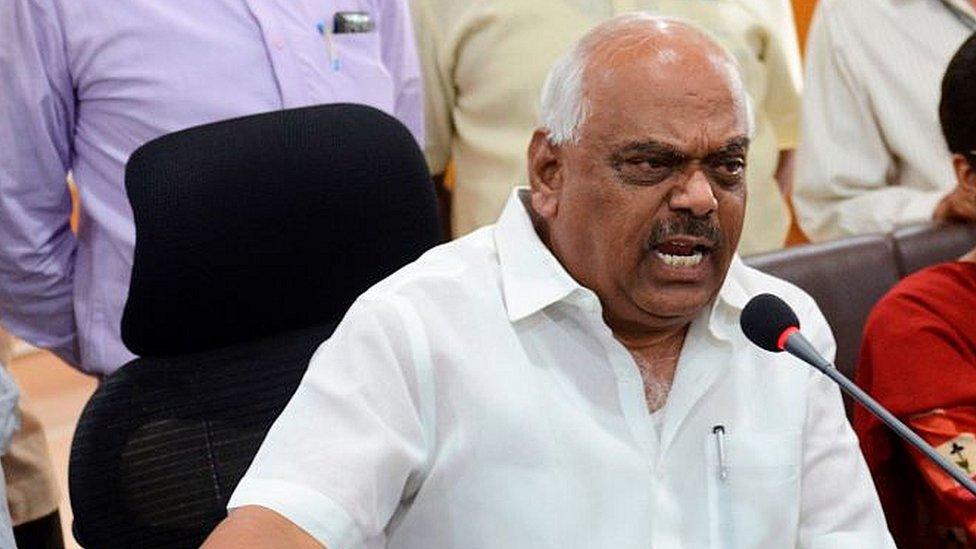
(646, 209)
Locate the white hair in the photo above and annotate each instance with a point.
(564, 106)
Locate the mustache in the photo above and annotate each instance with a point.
(686, 225)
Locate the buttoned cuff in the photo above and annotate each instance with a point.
(316, 514)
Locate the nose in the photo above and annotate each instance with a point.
(694, 195)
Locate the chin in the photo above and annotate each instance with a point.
(674, 302)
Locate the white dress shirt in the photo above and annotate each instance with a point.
(476, 399)
(872, 156)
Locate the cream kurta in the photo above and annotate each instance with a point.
(872, 155)
(485, 62)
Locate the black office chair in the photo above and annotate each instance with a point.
(253, 236)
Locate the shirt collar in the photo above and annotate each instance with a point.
(723, 318)
(964, 7)
(533, 279)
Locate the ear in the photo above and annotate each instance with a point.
(545, 174)
(965, 173)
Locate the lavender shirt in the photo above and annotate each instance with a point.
(83, 83)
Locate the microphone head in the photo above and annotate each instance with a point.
(765, 319)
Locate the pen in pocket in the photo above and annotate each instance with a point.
(723, 465)
(326, 33)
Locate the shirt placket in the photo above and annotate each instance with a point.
(287, 73)
(630, 392)
(630, 385)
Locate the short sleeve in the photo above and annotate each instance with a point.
(339, 459)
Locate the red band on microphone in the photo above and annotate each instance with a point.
(781, 342)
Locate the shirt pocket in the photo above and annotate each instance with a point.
(756, 504)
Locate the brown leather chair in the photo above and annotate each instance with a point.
(847, 277)
(920, 246)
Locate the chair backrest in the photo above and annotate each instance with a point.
(920, 246)
(253, 236)
(847, 277)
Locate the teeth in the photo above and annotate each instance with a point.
(681, 260)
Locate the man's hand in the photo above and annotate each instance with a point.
(959, 205)
(254, 527)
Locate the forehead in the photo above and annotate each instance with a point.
(691, 99)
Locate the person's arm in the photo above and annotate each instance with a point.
(439, 90)
(438, 102)
(781, 105)
(843, 162)
(254, 527)
(37, 247)
(839, 507)
(951, 432)
(781, 58)
(354, 441)
(399, 51)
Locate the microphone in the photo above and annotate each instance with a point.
(771, 324)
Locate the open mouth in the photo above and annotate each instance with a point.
(682, 253)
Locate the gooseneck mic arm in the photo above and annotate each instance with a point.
(770, 323)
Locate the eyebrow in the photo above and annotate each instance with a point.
(735, 145)
(650, 146)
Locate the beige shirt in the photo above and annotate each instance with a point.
(872, 155)
(485, 62)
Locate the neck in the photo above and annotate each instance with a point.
(658, 343)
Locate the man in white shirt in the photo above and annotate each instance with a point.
(871, 155)
(574, 375)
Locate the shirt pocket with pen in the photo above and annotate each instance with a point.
(355, 34)
(753, 482)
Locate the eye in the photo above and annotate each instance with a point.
(648, 163)
(653, 163)
(734, 167)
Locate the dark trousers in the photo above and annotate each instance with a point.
(43, 533)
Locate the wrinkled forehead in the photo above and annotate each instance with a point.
(664, 78)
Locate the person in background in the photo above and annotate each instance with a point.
(86, 83)
(919, 360)
(871, 157)
(574, 375)
(9, 422)
(32, 495)
(484, 64)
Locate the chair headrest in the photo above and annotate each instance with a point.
(271, 222)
